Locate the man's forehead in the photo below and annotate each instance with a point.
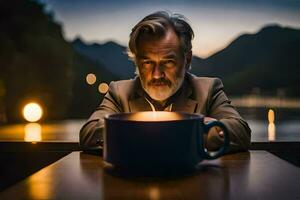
(162, 50)
(167, 45)
(162, 53)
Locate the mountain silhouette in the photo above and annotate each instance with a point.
(268, 60)
(110, 55)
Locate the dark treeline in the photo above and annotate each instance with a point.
(37, 64)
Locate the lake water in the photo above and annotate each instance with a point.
(281, 125)
(273, 124)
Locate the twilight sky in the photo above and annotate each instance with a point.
(215, 22)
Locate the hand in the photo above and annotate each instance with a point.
(214, 130)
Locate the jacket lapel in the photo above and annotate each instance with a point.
(185, 103)
(139, 104)
(182, 103)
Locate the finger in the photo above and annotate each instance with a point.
(221, 134)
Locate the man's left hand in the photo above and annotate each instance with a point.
(214, 130)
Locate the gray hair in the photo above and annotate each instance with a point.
(157, 25)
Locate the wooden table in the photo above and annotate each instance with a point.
(247, 175)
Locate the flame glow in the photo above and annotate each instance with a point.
(155, 116)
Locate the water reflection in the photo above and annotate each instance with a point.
(33, 132)
(271, 126)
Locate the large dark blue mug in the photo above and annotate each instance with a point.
(158, 140)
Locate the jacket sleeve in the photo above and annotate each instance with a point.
(91, 134)
(220, 108)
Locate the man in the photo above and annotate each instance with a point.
(160, 46)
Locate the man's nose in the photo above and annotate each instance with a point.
(158, 72)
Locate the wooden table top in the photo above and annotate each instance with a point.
(247, 175)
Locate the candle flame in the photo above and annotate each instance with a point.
(155, 116)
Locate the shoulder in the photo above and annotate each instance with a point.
(123, 89)
(205, 83)
(122, 84)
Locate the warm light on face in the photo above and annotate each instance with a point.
(33, 132)
(161, 65)
(155, 116)
(103, 88)
(32, 112)
(91, 78)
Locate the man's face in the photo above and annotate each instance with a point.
(161, 65)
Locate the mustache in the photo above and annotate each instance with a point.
(160, 81)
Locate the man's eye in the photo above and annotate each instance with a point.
(169, 63)
(147, 63)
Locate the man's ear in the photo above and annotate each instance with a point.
(188, 58)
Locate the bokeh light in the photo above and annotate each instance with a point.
(271, 126)
(32, 112)
(103, 88)
(271, 116)
(91, 78)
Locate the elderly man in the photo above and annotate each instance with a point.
(160, 46)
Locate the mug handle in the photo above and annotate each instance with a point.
(221, 151)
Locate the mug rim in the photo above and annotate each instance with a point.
(124, 116)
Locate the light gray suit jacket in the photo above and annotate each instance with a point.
(199, 95)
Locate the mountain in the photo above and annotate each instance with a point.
(110, 55)
(196, 61)
(268, 60)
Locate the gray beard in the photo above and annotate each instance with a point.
(164, 93)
